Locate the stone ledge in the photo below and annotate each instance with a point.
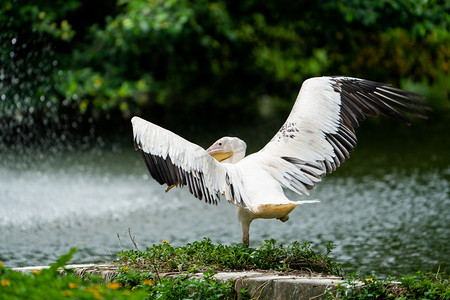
(260, 284)
(274, 285)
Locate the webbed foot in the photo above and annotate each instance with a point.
(284, 219)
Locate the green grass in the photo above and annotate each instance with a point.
(204, 255)
(49, 284)
(128, 284)
(419, 286)
(177, 286)
(141, 275)
(144, 269)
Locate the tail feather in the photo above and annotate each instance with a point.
(306, 201)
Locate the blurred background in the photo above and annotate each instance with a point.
(73, 73)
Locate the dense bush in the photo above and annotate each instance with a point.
(204, 254)
(76, 62)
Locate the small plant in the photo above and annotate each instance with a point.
(198, 256)
(50, 284)
(178, 286)
(426, 286)
(419, 286)
(142, 275)
(145, 271)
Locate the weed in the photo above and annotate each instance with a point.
(202, 255)
(139, 275)
(419, 286)
(128, 284)
(178, 286)
(50, 284)
(140, 270)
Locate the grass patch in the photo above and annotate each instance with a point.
(141, 275)
(419, 286)
(145, 269)
(50, 284)
(204, 255)
(177, 286)
(129, 284)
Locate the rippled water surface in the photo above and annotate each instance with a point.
(387, 209)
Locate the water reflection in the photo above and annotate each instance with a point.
(389, 221)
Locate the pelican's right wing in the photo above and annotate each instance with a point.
(319, 132)
(172, 160)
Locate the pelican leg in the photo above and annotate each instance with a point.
(245, 218)
(246, 238)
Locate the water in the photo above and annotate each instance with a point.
(387, 209)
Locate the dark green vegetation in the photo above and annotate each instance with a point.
(177, 286)
(49, 284)
(418, 286)
(199, 256)
(141, 275)
(70, 65)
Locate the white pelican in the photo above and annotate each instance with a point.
(316, 138)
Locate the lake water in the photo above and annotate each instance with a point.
(387, 209)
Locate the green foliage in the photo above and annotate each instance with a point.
(128, 284)
(426, 286)
(156, 53)
(418, 286)
(50, 284)
(138, 278)
(178, 286)
(202, 255)
(74, 62)
(42, 17)
(144, 270)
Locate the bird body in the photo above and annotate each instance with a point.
(316, 138)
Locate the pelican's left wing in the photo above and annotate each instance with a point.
(319, 132)
(172, 160)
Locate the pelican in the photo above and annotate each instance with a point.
(316, 138)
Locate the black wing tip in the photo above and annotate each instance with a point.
(370, 98)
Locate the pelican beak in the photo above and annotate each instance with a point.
(217, 152)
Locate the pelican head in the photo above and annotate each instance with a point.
(228, 149)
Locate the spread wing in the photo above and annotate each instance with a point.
(172, 160)
(320, 130)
